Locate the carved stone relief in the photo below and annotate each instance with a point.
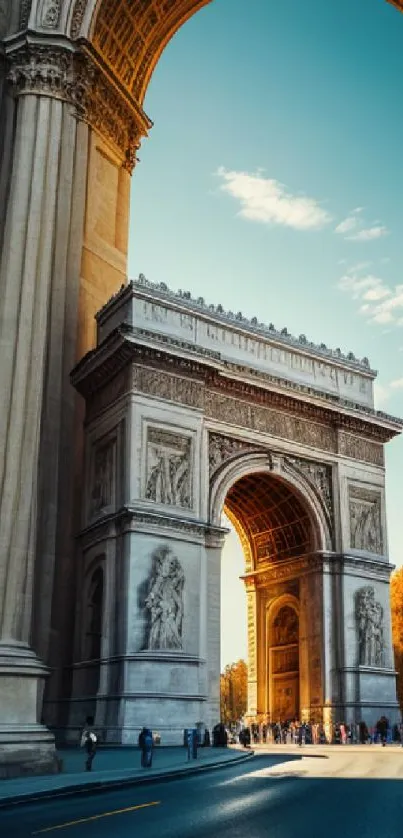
(164, 601)
(77, 17)
(222, 448)
(365, 520)
(102, 493)
(24, 13)
(361, 449)
(74, 78)
(169, 468)
(258, 418)
(319, 475)
(170, 387)
(285, 628)
(369, 619)
(51, 13)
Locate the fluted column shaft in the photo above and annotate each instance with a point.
(25, 280)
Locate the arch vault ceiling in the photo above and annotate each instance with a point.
(272, 515)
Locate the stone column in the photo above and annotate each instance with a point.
(253, 679)
(214, 542)
(45, 150)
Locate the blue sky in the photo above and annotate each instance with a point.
(272, 183)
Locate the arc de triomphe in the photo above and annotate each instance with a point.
(74, 74)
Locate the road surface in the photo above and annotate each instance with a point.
(353, 796)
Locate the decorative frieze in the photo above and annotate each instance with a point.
(369, 621)
(277, 572)
(360, 448)
(169, 387)
(72, 76)
(264, 420)
(169, 468)
(365, 508)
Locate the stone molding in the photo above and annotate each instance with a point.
(238, 402)
(72, 75)
(285, 570)
(130, 519)
(358, 566)
(161, 655)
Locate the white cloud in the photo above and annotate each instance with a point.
(347, 225)
(380, 303)
(369, 233)
(354, 228)
(269, 202)
(360, 286)
(381, 394)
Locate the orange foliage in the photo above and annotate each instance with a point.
(233, 693)
(396, 604)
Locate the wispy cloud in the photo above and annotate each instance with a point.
(369, 233)
(354, 228)
(268, 201)
(384, 391)
(380, 303)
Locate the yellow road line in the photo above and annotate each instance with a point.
(97, 817)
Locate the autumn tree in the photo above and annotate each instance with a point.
(234, 689)
(396, 602)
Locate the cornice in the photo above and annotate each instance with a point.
(130, 345)
(134, 519)
(57, 68)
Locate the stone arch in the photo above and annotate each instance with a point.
(290, 648)
(247, 465)
(129, 38)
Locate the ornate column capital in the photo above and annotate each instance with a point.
(69, 72)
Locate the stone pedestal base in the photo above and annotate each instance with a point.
(26, 746)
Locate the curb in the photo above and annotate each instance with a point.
(119, 783)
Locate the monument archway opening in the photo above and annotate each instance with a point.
(276, 528)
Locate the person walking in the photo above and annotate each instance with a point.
(146, 747)
(89, 741)
(382, 729)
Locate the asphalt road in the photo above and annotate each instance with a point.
(241, 801)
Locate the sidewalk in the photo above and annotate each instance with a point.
(113, 768)
(322, 750)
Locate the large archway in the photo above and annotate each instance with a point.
(278, 529)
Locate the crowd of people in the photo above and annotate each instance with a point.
(295, 732)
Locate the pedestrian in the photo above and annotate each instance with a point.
(146, 747)
(382, 729)
(89, 741)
